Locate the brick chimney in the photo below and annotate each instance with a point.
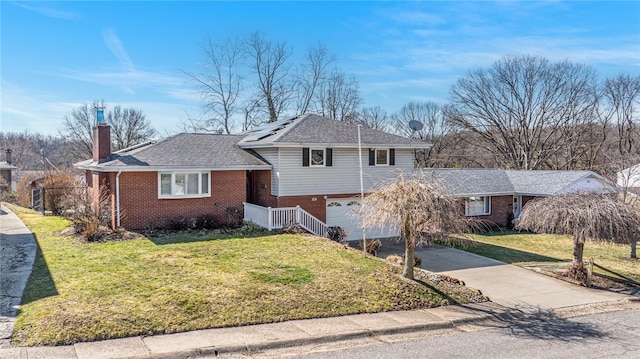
(8, 156)
(101, 137)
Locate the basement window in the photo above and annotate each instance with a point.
(183, 184)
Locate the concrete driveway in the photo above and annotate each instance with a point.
(505, 284)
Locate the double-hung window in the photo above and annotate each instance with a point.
(317, 157)
(382, 157)
(478, 205)
(183, 184)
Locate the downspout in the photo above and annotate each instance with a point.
(118, 199)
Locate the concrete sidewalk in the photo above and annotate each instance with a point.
(17, 253)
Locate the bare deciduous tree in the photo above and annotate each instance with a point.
(270, 63)
(77, 129)
(419, 208)
(435, 129)
(374, 117)
(338, 97)
(311, 73)
(582, 215)
(129, 128)
(219, 85)
(620, 98)
(525, 109)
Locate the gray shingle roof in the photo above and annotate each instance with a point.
(312, 129)
(183, 151)
(477, 181)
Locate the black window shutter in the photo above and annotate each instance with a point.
(392, 156)
(329, 160)
(372, 157)
(305, 157)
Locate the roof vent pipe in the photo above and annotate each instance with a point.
(8, 155)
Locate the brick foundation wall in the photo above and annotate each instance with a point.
(141, 207)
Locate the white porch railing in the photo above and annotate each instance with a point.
(277, 218)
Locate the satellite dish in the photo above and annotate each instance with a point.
(415, 125)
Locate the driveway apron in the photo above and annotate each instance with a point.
(503, 283)
(17, 253)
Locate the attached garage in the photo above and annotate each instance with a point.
(343, 212)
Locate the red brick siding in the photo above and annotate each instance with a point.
(140, 205)
(262, 189)
(501, 211)
(101, 142)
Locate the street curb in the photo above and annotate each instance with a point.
(282, 344)
(493, 315)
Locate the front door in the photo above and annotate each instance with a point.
(517, 206)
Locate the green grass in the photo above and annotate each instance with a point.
(527, 248)
(91, 291)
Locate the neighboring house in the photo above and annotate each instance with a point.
(498, 195)
(7, 182)
(307, 161)
(629, 179)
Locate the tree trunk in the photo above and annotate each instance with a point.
(632, 252)
(407, 272)
(576, 269)
(578, 250)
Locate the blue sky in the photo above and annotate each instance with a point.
(55, 56)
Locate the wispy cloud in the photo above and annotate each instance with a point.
(44, 113)
(46, 11)
(29, 110)
(127, 81)
(115, 45)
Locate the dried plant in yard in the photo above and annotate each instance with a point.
(373, 246)
(420, 208)
(88, 217)
(58, 185)
(23, 190)
(582, 215)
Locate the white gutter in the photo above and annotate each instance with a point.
(118, 199)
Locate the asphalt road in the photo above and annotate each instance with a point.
(605, 335)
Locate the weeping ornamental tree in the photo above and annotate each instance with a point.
(420, 209)
(582, 215)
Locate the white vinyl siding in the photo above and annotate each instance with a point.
(290, 178)
(183, 185)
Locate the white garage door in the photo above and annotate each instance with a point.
(343, 212)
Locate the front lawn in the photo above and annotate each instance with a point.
(528, 248)
(91, 291)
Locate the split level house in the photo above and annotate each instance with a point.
(304, 169)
